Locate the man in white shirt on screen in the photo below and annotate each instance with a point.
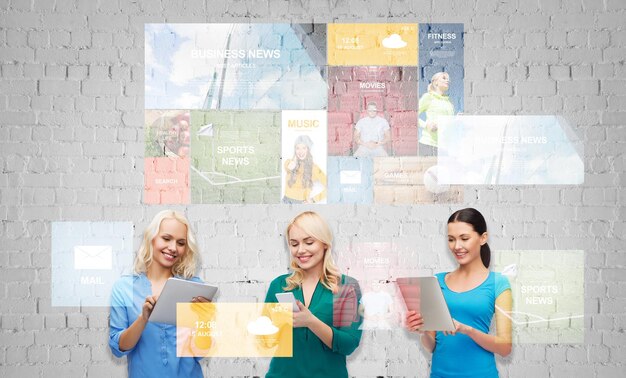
(371, 134)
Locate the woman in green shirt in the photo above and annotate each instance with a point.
(326, 327)
(434, 103)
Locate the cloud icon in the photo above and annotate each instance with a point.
(394, 41)
(262, 326)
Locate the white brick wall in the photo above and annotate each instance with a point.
(71, 148)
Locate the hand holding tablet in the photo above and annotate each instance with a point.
(177, 290)
(414, 321)
(423, 297)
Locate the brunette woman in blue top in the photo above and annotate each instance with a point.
(168, 249)
(473, 294)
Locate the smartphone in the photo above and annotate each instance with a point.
(288, 298)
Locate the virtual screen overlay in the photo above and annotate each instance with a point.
(509, 150)
(87, 259)
(546, 286)
(261, 329)
(209, 329)
(373, 264)
(548, 294)
(235, 66)
(330, 113)
(235, 157)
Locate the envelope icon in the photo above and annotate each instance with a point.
(350, 177)
(98, 257)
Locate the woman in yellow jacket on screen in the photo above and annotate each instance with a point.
(305, 182)
(435, 103)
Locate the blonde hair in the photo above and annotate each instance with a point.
(436, 77)
(315, 226)
(186, 267)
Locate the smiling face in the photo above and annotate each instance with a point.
(306, 251)
(301, 151)
(372, 110)
(170, 243)
(464, 242)
(443, 83)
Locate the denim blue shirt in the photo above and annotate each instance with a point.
(155, 352)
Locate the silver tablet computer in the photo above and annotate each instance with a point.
(424, 295)
(177, 290)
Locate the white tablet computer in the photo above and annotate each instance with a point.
(177, 290)
(424, 295)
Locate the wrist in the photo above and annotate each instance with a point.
(467, 330)
(312, 322)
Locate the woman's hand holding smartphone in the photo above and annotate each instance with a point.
(302, 317)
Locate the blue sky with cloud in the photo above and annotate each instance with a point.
(181, 67)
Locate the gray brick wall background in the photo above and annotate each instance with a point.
(71, 117)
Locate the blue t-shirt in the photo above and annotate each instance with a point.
(155, 352)
(459, 356)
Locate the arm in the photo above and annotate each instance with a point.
(121, 340)
(118, 321)
(341, 338)
(428, 340)
(130, 337)
(319, 176)
(386, 138)
(290, 165)
(413, 323)
(304, 318)
(346, 319)
(424, 104)
(346, 339)
(203, 312)
(280, 318)
(357, 137)
(501, 342)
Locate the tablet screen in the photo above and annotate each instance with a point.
(177, 290)
(423, 295)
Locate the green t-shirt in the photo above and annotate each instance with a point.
(434, 105)
(311, 357)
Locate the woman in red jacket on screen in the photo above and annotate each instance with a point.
(473, 293)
